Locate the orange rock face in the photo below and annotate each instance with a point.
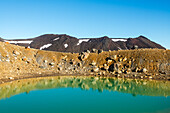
(19, 61)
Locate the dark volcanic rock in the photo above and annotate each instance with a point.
(142, 42)
(63, 43)
(66, 43)
(2, 40)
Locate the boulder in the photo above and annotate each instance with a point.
(100, 51)
(113, 57)
(94, 50)
(83, 56)
(95, 69)
(144, 70)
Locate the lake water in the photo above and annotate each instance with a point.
(84, 95)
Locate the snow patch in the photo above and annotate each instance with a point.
(119, 48)
(56, 39)
(65, 45)
(45, 46)
(116, 40)
(22, 42)
(82, 40)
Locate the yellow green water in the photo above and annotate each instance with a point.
(84, 95)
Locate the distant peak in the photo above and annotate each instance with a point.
(105, 37)
(141, 36)
(58, 35)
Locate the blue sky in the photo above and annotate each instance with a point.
(86, 18)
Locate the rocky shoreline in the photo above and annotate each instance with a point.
(16, 61)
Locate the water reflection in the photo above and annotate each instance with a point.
(134, 87)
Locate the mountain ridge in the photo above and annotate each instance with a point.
(66, 43)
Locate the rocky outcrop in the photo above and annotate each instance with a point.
(18, 61)
(66, 43)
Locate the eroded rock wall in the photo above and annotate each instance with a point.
(140, 63)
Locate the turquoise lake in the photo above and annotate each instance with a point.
(84, 95)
